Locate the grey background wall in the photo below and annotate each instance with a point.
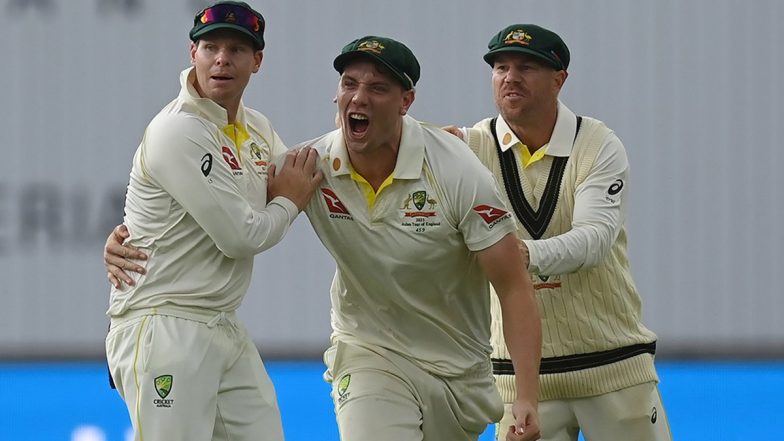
(692, 87)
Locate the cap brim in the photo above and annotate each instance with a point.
(490, 56)
(343, 59)
(215, 26)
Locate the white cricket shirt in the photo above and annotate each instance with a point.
(197, 205)
(408, 278)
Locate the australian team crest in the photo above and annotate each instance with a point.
(259, 153)
(371, 46)
(163, 385)
(343, 384)
(417, 218)
(419, 197)
(343, 392)
(518, 36)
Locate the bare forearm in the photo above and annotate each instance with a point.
(502, 263)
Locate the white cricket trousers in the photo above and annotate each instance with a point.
(380, 395)
(635, 413)
(191, 374)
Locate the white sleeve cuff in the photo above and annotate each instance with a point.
(286, 204)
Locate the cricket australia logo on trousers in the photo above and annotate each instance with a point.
(343, 392)
(163, 386)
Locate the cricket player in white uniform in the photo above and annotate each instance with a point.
(416, 227)
(197, 207)
(566, 178)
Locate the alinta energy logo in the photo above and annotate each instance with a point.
(163, 386)
(491, 215)
(336, 208)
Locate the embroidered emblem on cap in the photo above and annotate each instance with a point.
(371, 46)
(518, 36)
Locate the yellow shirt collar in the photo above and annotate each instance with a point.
(560, 144)
(410, 158)
(367, 189)
(237, 133)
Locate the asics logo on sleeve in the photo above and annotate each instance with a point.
(615, 188)
(206, 164)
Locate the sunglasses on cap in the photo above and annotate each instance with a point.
(234, 14)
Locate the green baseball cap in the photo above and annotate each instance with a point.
(393, 54)
(532, 40)
(237, 16)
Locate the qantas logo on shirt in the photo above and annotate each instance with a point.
(230, 159)
(336, 208)
(491, 215)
